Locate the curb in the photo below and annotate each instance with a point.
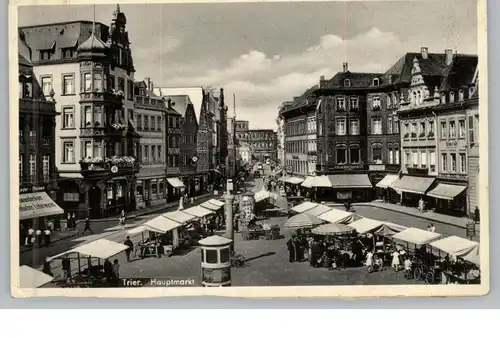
(404, 213)
(149, 212)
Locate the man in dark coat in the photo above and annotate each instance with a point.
(130, 248)
(314, 254)
(290, 245)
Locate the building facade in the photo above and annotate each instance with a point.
(38, 179)
(300, 143)
(175, 186)
(472, 115)
(89, 68)
(150, 115)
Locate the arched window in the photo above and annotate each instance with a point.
(341, 153)
(376, 82)
(377, 153)
(419, 97)
(414, 98)
(355, 154)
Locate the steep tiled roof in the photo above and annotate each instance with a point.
(307, 98)
(433, 65)
(23, 61)
(459, 73)
(358, 80)
(179, 103)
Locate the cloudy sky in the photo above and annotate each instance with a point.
(266, 53)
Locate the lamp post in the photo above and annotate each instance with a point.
(229, 199)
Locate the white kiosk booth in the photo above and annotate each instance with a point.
(215, 261)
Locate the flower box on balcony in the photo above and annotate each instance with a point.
(376, 108)
(406, 135)
(430, 135)
(422, 135)
(413, 135)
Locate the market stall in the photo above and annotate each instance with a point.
(302, 221)
(304, 207)
(318, 210)
(93, 275)
(339, 216)
(30, 278)
(366, 225)
(166, 240)
(198, 211)
(179, 216)
(463, 265)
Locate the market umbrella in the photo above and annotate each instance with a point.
(334, 229)
(302, 221)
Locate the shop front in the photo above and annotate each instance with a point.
(351, 187)
(175, 188)
(36, 209)
(384, 191)
(413, 189)
(450, 198)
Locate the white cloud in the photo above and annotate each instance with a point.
(262, 82)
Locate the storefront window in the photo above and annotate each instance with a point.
(154, 188)
(119, 191)
(110, 193)
(224, 255)
(211, 256)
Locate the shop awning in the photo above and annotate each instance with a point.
(390, 229)
(337, 216)
(446, 191)
(304, 207)
(331, 229)
(101, 248)
(417, 236)
(37, 204)
(179, 216)
(317, 182)
(30, 278)
(413, 184)
(387, 181)
(198, 211)
(318, 210)
(261, 195)
(365, 225)
(454, 245)
(295, 180)
(162, 224)
(350, 181)
(175, 182)
(217, 202)
(210, 206)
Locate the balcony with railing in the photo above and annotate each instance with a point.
(31, 104)
(114, 165)
(114, 130)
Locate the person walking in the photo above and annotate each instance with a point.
(73, 221)
(116, 271)
(38, 238)
(291, 249)
(87, 226)
(46, 236)
(122, 218)
(130, 248)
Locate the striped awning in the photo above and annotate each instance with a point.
(302, 221)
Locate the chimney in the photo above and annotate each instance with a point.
(169, 103)
(425, 52)
(449, 56)
(148, 81)
(152, 86)
(322, 81)
(345, 66)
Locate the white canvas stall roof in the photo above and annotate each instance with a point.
(101, 248)
(175, 182)
(390, 229)
(217, 202)
(473, 256)
(387, 181)
(30, 278)
(215, 241)
(364, 225)
(335, 215)
(162, 224)
(284, 178)
(318, 210)
(413, 184)
(331, 229)
(198, 211)
(308, 182)
(37, 204)
(417, 236)
(317, 182)
(446, 191)
(137, 230)
(261, 195)
(295, 180)
(210, 206)
(304, 207)
(454, 245)
(179, 216)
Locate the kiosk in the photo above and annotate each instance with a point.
(215, 261)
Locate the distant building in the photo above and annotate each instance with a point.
(280, 133)
(175, 186)
(89, 71)
(261, 142)
(150, 115)
(242, 126)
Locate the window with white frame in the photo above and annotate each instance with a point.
(341, 153)
(87, 149)
(87, 82)
(423, 159)
(376, 102)
(444, 162)
(432, 161)
(414, 129)
(431, 128)
(389, 125)
(396, 156)
(46, 85)
(443, 129)
(98, 149)
(422, 129)
(347, 83)
(472, 134)
(97, 82)
(68, 117)
(355, 154)
(377, 153)
(452, 129)
(463, 163)
(68, 84)
(354, 102)
(376, 125)
(87, 116)
(453, 158)
(407, 129)
(46, 167)
(389, 101)
(32, 167)
(396, 125)
(340, 126)
(415, 159)
(340, 103)
(354, 126)
(98, 121)
(68, 152)
(461, 128)
(391, 156)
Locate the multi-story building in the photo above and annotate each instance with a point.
(150, 115)
(89, 69)
(472, 114)
(434, 129)
(262, 143)
(300, 143)
(175, 186)
(280, 132)
(241, 126)
(223, 138)
(343, 151)
(37, 171)
(244, 152)
(232, 148)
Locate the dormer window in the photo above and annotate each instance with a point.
(443, 98)
(67, 53)
(460, 95)
(471, 91)
(452, 97)
(376, 82)
(45, 54)
(347, 83)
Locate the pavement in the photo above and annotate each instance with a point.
(104, 228)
